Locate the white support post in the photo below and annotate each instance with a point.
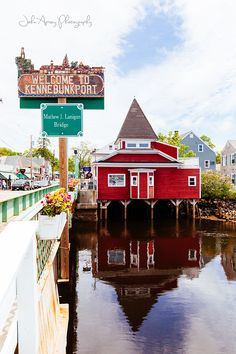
(27, 302)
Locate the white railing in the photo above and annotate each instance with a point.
(190, 161)
(18, 289)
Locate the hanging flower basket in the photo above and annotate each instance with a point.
(51, 227)
(52, 219)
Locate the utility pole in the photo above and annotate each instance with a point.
(76, 164)
(31, 158)
(63, 163)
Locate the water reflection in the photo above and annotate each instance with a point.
(158, 288)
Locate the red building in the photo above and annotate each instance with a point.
(143, 168)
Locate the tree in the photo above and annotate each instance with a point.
(43, 142)
(173, 138)
(218, 157)
(84, 156)
(207, 140)
(8, 152)
(71, 165)
(215, 186)
(43, 151)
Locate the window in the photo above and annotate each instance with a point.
(206, 163)
(192, 181)
(224, 160)
(233, 178)
(133, 259)
(151, 259)
(116, 180)
(151, 181)
(200, 147)
(116, 256)
(131, 145)
(192, 255)
(232, 158)
(134, 180)
(137, 145)
(191, 135)
(144, 145)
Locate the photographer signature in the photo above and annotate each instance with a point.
(59, 22)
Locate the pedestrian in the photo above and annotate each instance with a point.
(4, 185)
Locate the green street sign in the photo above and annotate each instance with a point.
(34, 103)
(62, 119)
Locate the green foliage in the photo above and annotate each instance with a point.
(232, 195)
(216, 186)
(208, 141)
(84, 156)
(7, 152)
(71, 165)
(218, 157)
(173, 138)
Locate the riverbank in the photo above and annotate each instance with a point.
(218, 210)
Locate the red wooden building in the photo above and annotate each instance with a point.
(140, 167)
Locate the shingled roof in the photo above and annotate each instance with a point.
(136, 125)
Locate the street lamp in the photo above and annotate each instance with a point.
(76, 163)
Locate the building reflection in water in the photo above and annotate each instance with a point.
(139, 263)
(140, 270)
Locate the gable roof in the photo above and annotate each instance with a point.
(183, 136)
(136, 125)
(233, 143)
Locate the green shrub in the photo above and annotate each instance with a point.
(216, 186)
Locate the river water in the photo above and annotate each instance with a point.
(162, 287)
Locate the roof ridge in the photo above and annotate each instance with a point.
(136, 124)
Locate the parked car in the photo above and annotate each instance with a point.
(21, 184)
(41, 184)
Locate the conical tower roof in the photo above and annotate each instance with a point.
(136, 125)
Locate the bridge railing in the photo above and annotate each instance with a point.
(13, 205)
(18, 290)
(28, 279)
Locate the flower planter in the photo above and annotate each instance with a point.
(51, 227)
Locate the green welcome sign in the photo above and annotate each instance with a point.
(62, 119)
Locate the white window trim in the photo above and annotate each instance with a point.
(205, 163)
(133, 259)
(194, 257)
(232, 157)
(137, 144)
(116, 174)
(132, 181)
(198, 148)
(195, 181)
(131, 147)
(224, 160)
(150, 181)
(233, 177)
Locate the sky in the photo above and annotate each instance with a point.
(176, 57)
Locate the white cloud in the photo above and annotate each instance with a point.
(193, 87)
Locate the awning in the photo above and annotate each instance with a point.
(7, 175)
(2, 176)
(21, 176)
